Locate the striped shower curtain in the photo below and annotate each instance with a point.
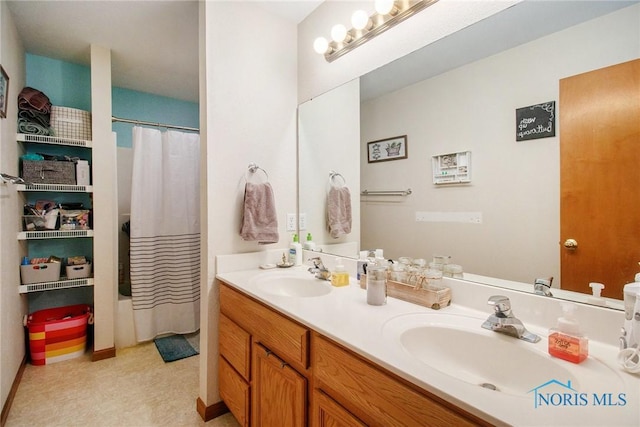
(165, 232)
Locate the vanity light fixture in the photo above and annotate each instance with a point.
(388, 14)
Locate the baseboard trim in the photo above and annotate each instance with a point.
(105, 353)
(207, 413)
(12, 393)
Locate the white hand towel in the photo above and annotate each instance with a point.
(339, 211)
(259, 220)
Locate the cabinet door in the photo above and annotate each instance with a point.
(326, 412)
(279, 393)
(234, 391)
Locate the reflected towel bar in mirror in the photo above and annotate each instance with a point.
(386, 193)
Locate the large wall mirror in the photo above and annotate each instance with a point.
(461, 95)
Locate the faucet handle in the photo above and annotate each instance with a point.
(500, 303)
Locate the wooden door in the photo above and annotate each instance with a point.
(600, 178)
(279, 393)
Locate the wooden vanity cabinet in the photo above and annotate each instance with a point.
(263, 363)
(275, 372)
(373, 395)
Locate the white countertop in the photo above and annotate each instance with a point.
(344, 316)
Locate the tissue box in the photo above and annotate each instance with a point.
(38, 273)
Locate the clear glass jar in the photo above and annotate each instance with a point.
(397, 272)
(433, 279)
(453, 270)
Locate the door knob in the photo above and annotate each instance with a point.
(570, 244)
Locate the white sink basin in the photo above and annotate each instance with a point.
(457, 346)
(295, 284)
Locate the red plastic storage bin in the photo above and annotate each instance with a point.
(58, 334)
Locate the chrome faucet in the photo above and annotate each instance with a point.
(505, 322)
(543, 286)
(319, 270)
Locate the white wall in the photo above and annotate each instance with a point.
(316, 75)
(248, 114)
(514, 184)
(13, 306)
(329, 139)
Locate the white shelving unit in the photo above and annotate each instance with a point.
(63, 283)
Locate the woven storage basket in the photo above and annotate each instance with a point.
(49, 172)
(71, 123)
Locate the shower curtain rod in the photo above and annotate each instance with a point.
(160, 125)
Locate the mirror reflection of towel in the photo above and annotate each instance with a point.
(339, 211)
(259, 219)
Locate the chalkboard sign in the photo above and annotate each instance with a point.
(536, 121)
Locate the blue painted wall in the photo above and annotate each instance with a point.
(69, 85)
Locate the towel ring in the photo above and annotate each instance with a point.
(253, 168)
(333, 175)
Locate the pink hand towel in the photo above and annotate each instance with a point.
(259, 220)
(339, 211)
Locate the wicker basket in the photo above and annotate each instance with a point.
(49, 172)
(71, 123)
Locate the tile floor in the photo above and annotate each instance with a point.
(134, 389)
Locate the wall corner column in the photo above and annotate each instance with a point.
(105, 202)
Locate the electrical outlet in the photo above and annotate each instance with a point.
(291, 222)
(302, 221)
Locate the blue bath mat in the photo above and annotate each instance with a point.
(174, 347)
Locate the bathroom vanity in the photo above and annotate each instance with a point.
(292, 364)
(296, 351)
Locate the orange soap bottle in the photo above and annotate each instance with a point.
(566, 341)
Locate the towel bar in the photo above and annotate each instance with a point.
(386, 192)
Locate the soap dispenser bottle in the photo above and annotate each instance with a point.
(596, 299)
(295, 251)
(566, 341)
(339, 277)
(309, 244)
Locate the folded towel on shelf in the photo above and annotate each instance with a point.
(26, 126)
(32, 99)
(42, 119)
(259, 219)
(339, 211)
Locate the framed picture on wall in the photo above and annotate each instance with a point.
(387, 149)
(4, 92)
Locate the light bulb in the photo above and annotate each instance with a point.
(320, 45)
(359, 19)
(338, 33)
(383, 7)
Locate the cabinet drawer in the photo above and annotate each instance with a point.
(284, 336)
(234, 391)
(235, 346)
(373, 395)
